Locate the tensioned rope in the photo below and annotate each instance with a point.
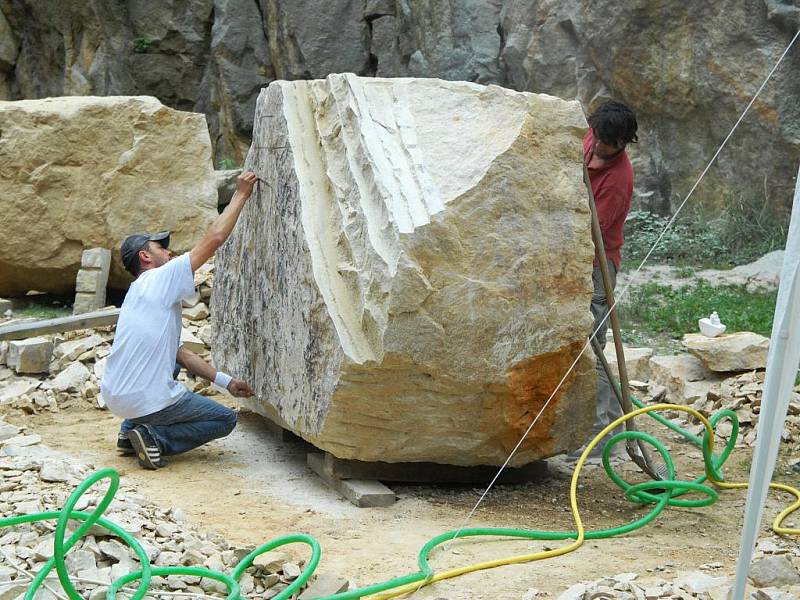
(624, 291)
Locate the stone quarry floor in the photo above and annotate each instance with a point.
(250, 487)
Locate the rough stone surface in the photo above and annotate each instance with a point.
(30, 356)
(637, 360)
(774, 571)
(70, 379)
(687, 68)
(90, 285)
(401, 285)
(684, 376)
(740, 351)
(97, 170)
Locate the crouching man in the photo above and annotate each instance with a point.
(162, 417)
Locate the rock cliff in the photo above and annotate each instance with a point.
(687, 68)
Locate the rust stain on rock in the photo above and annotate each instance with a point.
(530, 384)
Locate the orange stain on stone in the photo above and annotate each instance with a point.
(530, 385)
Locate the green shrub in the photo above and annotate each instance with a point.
(226, 164)
(141, 44)
(742, 233)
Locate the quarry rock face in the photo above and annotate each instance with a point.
(84, 172)
(411, 278)
(688, 69)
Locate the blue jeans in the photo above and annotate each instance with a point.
(191, 422)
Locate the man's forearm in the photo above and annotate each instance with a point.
(223, 225)
(195, 365)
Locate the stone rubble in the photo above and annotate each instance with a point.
(684, 379)
(686, 585)
(41, 480)
(62, 370)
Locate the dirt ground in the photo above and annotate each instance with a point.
(250, 487)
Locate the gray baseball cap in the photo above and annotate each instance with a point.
(133, 243)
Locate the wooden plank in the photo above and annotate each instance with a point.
(361, 492)
(338, 468)
(20, 331)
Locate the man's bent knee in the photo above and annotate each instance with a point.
(229, 421)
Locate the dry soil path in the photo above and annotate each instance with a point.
(250, 488)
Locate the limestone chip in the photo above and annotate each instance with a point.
(96, 170)
(412, 279)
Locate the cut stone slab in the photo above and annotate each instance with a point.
(132, 165)
(16, 388)
(324, 585)
(637, 360)
(192, 342)
(409, 314)
(70, 379)
(72, 349)
(363, 493)
(96, 258)
(32, 355)
(684, 376)
(773, 571)
(740, 351)
(198, 312)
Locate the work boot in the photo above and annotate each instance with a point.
(147, 451)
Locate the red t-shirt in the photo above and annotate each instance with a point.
(612, 186)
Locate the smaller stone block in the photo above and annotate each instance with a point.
(96, 258)
(740, 351)
(5, 305)
(30, 356)
(192, 342)
(198, 312)
(360, 492)
(324, 585)
(84, 303)
(89, 281)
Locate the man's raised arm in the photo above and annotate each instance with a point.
(222, 226)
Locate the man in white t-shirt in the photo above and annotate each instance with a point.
(162, 417)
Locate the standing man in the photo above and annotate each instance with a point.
(161, 417)
(611, 128)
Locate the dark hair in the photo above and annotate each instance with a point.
(136, 265)
(614, 123)
(135, 268)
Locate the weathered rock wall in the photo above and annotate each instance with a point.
(414, 266)
(84, 172)
(687, 68)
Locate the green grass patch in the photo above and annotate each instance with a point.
(43, 312)
(656, 309)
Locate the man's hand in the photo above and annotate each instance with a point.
(245, 182)
(222, 226)
(240, 389)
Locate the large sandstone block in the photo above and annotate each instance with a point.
(411, 279)
(85, 172)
